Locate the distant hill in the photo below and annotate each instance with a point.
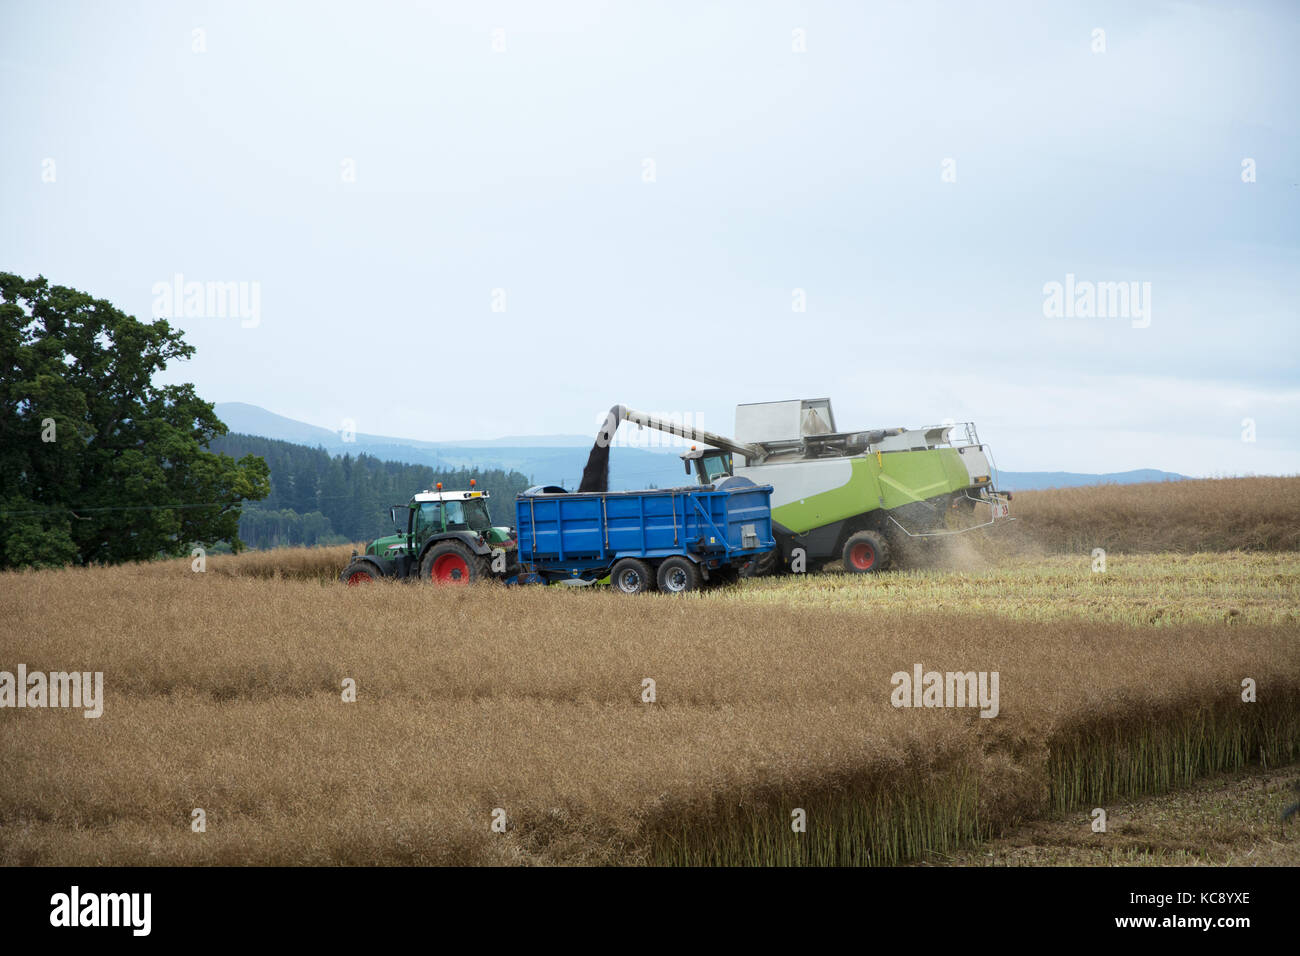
(545, 459)
(253, 420)
(559, 459)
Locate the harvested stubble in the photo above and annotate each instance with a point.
(223, 693)
(1168, 590)
(1228, 819)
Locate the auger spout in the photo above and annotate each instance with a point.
(622, 413)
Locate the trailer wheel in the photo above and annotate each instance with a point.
(866, 553)
(451, 563)
(359, 572)
(678, 575)
(630, 576)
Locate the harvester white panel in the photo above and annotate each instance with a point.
(797, 480)
(976, 462)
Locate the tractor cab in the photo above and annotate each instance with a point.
(711, 465)
(448, 511)
(438, 512)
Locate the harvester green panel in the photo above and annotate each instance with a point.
(895, 479)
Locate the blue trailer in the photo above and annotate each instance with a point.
(676, 539)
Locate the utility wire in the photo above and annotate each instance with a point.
(73, 509)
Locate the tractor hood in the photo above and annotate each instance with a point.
(388, 546)
(391, 545)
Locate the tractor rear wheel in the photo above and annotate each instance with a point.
(631, 576)
(450, 562)
(678, 575)
(866, 553)
(360, 572)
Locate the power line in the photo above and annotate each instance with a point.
(73, 509)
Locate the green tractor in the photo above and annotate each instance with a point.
(448, 539)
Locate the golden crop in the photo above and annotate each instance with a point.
(224, 692)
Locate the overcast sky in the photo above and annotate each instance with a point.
(648, 184)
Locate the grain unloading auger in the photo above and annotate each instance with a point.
(858, 496)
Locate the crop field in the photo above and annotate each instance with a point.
(754, 724)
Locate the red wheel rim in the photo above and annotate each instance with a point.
(359, 577)
(451, 569)
(863, 556)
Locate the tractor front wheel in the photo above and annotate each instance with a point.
(359, 572)
(451, 563)
(866, 553)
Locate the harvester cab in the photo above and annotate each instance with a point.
(711, 465)
(446, 537)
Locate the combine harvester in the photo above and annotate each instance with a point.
(856, 496)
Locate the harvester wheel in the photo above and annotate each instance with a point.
(722, 577)
(450, 562)
(631, 576)
(678, 575)
(359, 572)
(766, 563)
(866, 553)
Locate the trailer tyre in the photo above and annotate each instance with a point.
(631, 576)
(866, 552)
(451, 563)
(678, 575)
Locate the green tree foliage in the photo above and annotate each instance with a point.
(351, 494)
(97, 464)
(275, 528)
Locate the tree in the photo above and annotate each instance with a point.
(97, 464)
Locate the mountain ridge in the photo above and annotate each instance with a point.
(559, 459)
